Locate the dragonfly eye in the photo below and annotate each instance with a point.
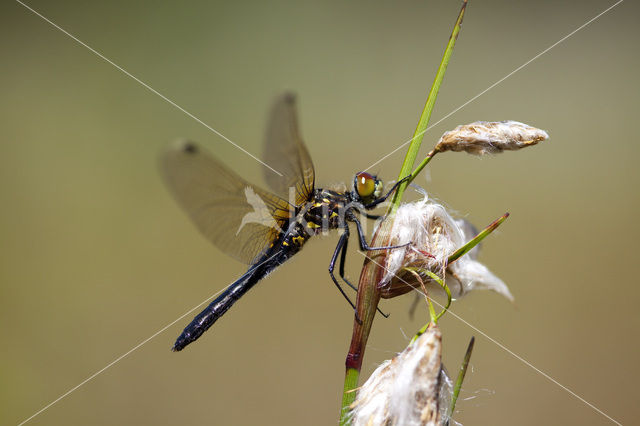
(366, 185)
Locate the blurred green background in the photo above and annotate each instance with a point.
(95, 256)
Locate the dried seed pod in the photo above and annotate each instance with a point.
(410, 389)
(490, 137)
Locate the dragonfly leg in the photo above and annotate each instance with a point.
(343, 257)
(332, 266)
(363, 242)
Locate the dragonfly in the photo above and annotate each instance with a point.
(263, 228)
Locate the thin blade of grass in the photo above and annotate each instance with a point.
(460, 379)
(416, 141)
(475, 240)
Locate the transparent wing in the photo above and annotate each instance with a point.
(285, 151)
(239, 218)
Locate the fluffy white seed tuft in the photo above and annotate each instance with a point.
(434, 235)
(410, 389)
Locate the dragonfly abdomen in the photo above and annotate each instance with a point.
(205, 319)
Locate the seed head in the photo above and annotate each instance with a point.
(410, 389)
(434, 235)
(490, 137)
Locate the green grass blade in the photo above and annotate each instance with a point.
(474, 242)
(412, 152)
(460, 379)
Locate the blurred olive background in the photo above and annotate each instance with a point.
(95, 256)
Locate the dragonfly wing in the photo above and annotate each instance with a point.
(286, 152)
(241, 219)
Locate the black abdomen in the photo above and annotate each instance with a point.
(205, 319)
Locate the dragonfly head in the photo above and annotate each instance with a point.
(367, 187)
